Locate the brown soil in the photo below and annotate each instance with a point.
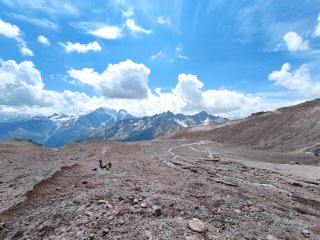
(237, 193)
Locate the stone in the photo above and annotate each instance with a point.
(88, 213)
(306, 233)
(196, 225)
(105, 231)
(102, 202)
(2, 226)
(84, 182)
(57, 188)
(109, 206)
(271, 237)
(143, 205)
(135, 201)
(237, 211)
(156, 210)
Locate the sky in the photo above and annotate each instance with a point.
(227, 57)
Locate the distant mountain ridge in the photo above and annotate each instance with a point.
(57, 130)
(150, 127)
(103, 123)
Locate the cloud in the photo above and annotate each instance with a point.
(42, 39)
(22, 90)
(180, 55)
(45, 23)
(295, 42)
(128, 13)
(160, 54)
(130, 23)
(299, 80)
(316, 32)
(162, 20)
(12, 31)
(25, 51)
(9, 30)
(126, 80)
(100, 30)
(50, 7)
(81, 48)
(107, 32)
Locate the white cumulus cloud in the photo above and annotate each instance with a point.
(295, 42)
(130, 23)
(42, 39)
(107, 32)
(81, 48)
(9, 30)
(22, 90)
(100, 29)
(299, 80)
(12, 31)
(125, 86)
(127, 80)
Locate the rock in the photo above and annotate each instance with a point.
(306, 233)
(135, 201)
(92, 236)
(84, 182)
(109, 206)
(156, 210)
(190, 238)
(2, 226)
(105, 231)
(102, 202)
(213, 238)
(57, 188)
(121, 222)
(196, 225)
(293, 162)
(88, 213)
(143, 205)
(271, 237)
(237, 211)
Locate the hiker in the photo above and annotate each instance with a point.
(102, 165)
(109, 165)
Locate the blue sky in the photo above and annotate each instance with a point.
(227, 57)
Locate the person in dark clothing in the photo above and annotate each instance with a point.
(101, 164)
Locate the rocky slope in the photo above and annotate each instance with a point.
(295, 128)
(168, 189)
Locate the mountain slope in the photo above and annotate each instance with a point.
(150, 127)
(286, 129)
(57, 130)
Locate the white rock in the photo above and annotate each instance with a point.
(196, 225)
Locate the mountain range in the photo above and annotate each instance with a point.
(103, 123)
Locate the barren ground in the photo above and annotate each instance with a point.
(237, 193)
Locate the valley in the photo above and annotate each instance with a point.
(191, 184)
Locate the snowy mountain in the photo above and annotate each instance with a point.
(150, 127)
(103, 123)
(57, 130)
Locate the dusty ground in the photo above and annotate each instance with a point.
(236, 193)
